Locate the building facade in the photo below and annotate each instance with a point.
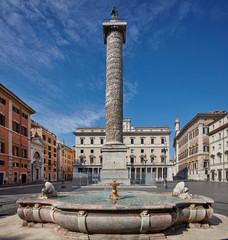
(218, 141)
(147, 150)
(50, 152)
(37, 158)
(65, 161)
(15, 160)
(191, 146)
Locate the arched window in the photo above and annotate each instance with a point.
(132, 159)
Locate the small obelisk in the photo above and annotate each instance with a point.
(114, 151)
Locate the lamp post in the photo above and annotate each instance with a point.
(165, 175)
(145, 160)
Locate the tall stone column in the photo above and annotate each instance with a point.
(114, 151)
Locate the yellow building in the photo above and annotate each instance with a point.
(50, 152)
(65, 161)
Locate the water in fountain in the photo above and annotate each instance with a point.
(126, 198)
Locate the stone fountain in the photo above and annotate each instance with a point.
(132, 212)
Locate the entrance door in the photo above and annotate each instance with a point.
(23, 178)
(49, 177)
(37, 174)
(15, 177)
(1, 178)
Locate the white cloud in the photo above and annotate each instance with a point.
(60, 123)
(130, 90)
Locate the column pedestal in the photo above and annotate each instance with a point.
(114, 164)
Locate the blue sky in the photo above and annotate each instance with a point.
(52, 56)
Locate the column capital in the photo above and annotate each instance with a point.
(114, 25)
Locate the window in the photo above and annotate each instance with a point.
(44, 151)
(54, 149)
(24, 165)
(162, 140)
(220, 123)
(49, 140)
(142, 140)
(212, 138)
(54, 142)
(15, 150)
(152, 159)
(132, 150)
(44, 137)
(132, 140)
(206, 148)
(49, 162)
(162, 150)
(132, 160)
(197, 132)
(49, 148)
(213, 148)
(205, 130)
(142, 150)
(219, 135)
(82, 140)
(91, 160)
(16, 164)
(49, 155)
(220, 158)
(23, 130)
(2, 119)
(91, 151)
(152, 150)
(2, 162)
(2, 147)
(2, 101)
(81, 151)
(24, 153)
(25, 116)
(162, 159)
(45, 160)
(16, 110)
(15, 127)
(91, 141)
(102, 140)
(219, 146)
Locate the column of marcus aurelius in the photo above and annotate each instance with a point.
(114, 151)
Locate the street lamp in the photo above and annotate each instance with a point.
(165, 175)
(145, 160)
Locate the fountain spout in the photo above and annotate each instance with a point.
(114, 185)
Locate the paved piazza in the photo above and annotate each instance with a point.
(11, 225)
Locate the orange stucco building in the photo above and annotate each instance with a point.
(50, 152)
(15, 161)
(65, 161)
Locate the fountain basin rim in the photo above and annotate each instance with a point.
(198, 199)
